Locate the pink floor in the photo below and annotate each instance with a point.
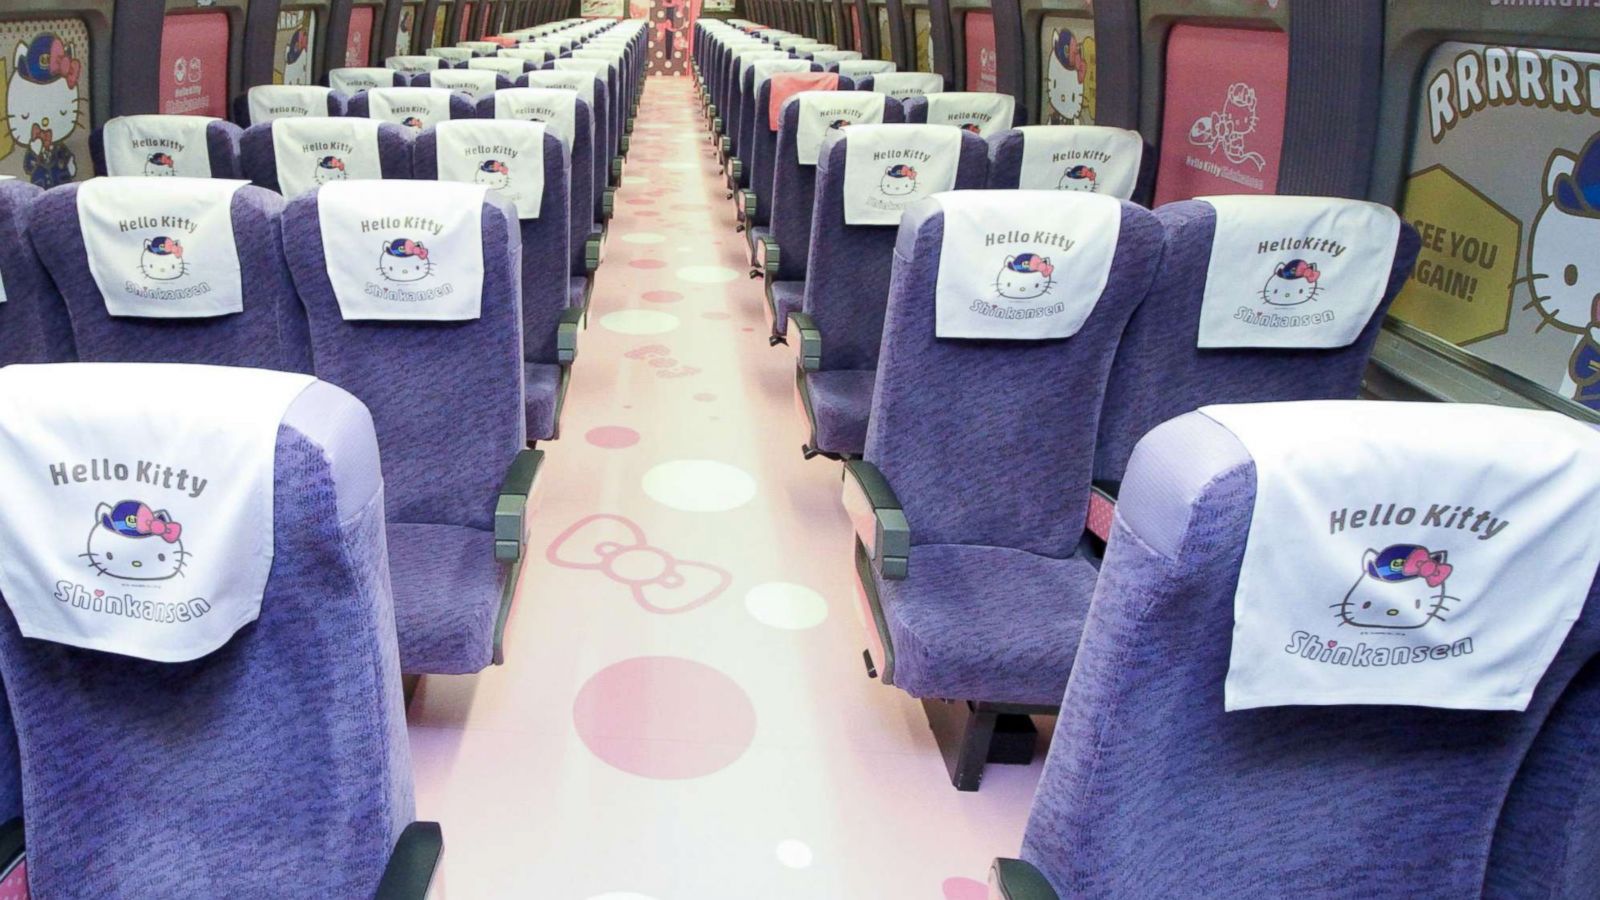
(683, 713)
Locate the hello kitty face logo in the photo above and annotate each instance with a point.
(1078, 178)
(159, 164)
(413, 123)
(493, 174)
(329, 168)
(971, 127)
(404, 260)
(1292, 283)
(839, 124)
(1563, 278)
(898, 181)
(1069, 70)
(1401, 587)
(132, 542)
(1025, 276)
(1227, 128)
(161, 259)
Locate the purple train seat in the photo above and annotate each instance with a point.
(1085, 168)
(1326, 801)
(268, 331)
(917, 111)
(34, 325)
(258, 155)
(753, 118)
(306, 698)
(455, 532)
(168, 146)
(591, 89)
(277, 101)
(847, 284)
(754, 206)
(976, 605)
(549, 320)
(351, 80)
(414, 108)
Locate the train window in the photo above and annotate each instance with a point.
(1067, 78)
(983, 70)
(194, 64)
(1508, 270)
(358, 41)
(409, 16)
(1225, 98)
(922, 24)
(294, 47)
(46, 69)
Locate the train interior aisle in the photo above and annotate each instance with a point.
(678, 716)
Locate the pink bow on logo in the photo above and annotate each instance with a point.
(1037, 264)
(412, 248)
(659, 581)
(501, 168)
(1307, 271)
(146, 522)
(173, 247)
(63, 65)
(1420, 562)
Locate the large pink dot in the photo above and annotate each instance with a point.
(612, 437)
(648, 263)
(664, 717)
(965, 889)
(662, 296)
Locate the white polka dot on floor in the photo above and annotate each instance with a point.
(793, 607)
(639, 321)
(699, 485)
(794, 854)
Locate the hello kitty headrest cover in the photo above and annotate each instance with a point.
(889, 167)
(162, 248)
(1295, 272)
(271, 102)
(411, 255)
(504, 155)
(1095, 159)
(1022, 265)
(1417, 554)
(159, 146)
(415, 108)
(312, 152)
(139, 502)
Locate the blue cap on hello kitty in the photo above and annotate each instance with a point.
(1578, 193)
(1390, 563)
(901, 170)
(1064, 40)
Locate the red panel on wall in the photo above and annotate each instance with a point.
(1222, 130)
(358, 47)
(194, 64)
(466, 19)
(982, 65)
(856, 40)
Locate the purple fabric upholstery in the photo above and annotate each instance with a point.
(338, 104)
(546, 389)
(1299, 801)
(755, 135)
(584, 184)
(917, 111)
(222, 147)
(606, 129)
(168, 766)
(848, 281)
(1160, 374)
(440, 573)
(270, 333)
(764, 149)
(460, 106)
(544, 274)
(10, 766)
(988, 445)
(258, 161)
(446, 441)
(34, 326)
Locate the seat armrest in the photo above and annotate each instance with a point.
(616, 170)
(808, 349)
(511, 508)
(412, 863)
(877, 518)
(567, 335)
(592, 246)
(608, 204)
(747, 205)
(771, 257)
(1014, 879)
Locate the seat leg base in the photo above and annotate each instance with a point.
(970, 735)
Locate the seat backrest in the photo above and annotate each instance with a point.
(1080, 158)
(917, 109)
(306, 698)
(545, 258)
(942, 408)
(34, 325)
(582, 187)
(794, 191)
(258, 155)
(437, 390)
(265, 103)
(269, 332)
(164, 146)
(351, 80)
(1160, 371)
(1354, 800)
(413, 108)
(847, 279)
(764, 133)
(591, 88)
(475, 84)
(606, 73)
(752, 117)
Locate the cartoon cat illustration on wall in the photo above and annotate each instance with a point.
(1563, 276)
(1025, 277)
(132, 542)
(1400, 587)
(161, 259)
(404, 260)
(1071, 79)
(297, 59)
(42, 108)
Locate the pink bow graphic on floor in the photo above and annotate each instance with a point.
(660, 582)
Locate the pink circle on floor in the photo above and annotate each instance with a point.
(965, 889)
(705, 398)
(647, 263)
(612, 437)
(747, 328)
(664, 717)
(716, 315)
